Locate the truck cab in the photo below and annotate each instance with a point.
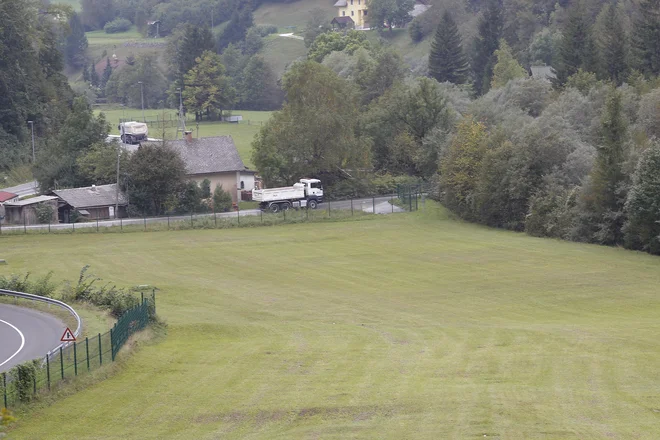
(313, 190)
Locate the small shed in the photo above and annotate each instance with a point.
(92, 202)
(25, 211)
(342, 22)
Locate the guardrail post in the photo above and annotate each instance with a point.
(100, 351)
(87, 351)
(61, 362)
(48, 371)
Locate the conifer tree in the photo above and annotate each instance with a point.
(85, 72)
(646, 37)
(507, 67)
(614, 45)
(490, 32)
(576, 49)
(107, 72)
(93, 76)
(447, 61)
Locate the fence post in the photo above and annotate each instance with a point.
(100, 351)
(410, 201)
(168, 221)
(121, 224)
(153, 299)
(328, 208)
(97, 224)
(34, 385)
(416, 202)
(262, 215)
(49, 226)
(191, 220)
(284, 214)
(373, 204)
(0, 227)
(48, 371)
(24, 224)
(75, 359)
(61, 363)
(238, 213)
(145, 222)
(112, 347)
(87, 351)
(215, 217)
(392, 203)
(4, 387)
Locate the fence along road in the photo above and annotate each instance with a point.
(381, 204)
(26, 334)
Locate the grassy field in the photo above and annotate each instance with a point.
(296, 13)
(406, 326)
(242, 133)
(279, 52)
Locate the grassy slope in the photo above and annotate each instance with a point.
(242, 133)
(410, 326)
(294, 13)
(279, 52)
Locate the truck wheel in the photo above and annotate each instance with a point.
(312, 204)
(274, 207)
(285, 206)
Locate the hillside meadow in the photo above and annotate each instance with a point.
(401, 326)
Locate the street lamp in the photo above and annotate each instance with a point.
(142, 96)
(32, 127)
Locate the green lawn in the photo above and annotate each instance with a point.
(406, 326)
(294, 13)
(279, 52)
(242, 133)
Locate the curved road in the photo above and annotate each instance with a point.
(26, 334)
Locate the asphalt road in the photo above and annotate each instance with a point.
(381, 204)
(26, 189)
(26, 334)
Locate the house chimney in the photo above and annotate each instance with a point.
(188, 136)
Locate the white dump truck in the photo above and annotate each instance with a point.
(133, 132)
(307, 193)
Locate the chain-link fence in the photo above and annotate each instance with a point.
(23, 383)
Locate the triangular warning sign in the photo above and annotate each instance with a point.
(68, 336)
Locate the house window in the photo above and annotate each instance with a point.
(242, 185)
(352, 13)
(359, 2)
(351, 2)
(343, 13)
(364, 12)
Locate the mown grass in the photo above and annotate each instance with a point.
(294, 13)
(243, 133)
(406, 326)
(280, 52)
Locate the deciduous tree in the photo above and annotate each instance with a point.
(507, 67)
(207, 87)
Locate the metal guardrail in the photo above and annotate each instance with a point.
(46, 300)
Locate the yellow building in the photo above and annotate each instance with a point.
(356, 10)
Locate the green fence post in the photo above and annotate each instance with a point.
(24, 223)
(121, 224)
(141, 297)
(410, 201)
(61, 363)
(87, 351)
(75, 359)
(191, 219)
(215, 217)
(49, 226)
(373, 204)
(392, 203)
(145, 222)
(112, 346)
(48, 371)
(153, 298)
(73, 227)
(351, 205)
(100, 351)
(168, 221)
(4, 387)
(328, 208)
(238, 213)
(97, 224)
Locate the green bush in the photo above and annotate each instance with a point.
(44, 212)
(117, 25)
(266, 29)
(26, 374)
(221, 200)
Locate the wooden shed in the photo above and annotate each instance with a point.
(25, 211)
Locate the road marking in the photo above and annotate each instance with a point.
(19, 348)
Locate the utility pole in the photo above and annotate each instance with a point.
(32, 127)
(142, 96)
(181, 125)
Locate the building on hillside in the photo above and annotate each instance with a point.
(91, 202)
(544, 73)
(342, 23)
(24, 212)
(4, 198)
(356, 10)
(216, 159)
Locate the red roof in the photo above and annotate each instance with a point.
(4, 196)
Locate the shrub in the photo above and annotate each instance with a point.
(44, 212)
(416, 31)
(221, 200)
(117, 25)
(266, 29)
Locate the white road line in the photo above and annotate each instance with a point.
(19, 348)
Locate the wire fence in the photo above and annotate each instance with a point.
(170, 120)
(23, 383)
(332, 210)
